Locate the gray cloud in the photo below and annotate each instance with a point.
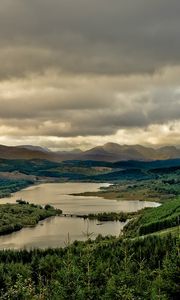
(76, 116)
(82, 36)
(82, 70)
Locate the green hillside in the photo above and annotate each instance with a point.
(155, 219)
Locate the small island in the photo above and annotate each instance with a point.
(114, 216)
(14, 217)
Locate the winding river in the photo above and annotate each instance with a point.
(58, 231)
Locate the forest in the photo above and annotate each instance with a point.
(154, 220)
(91, 170)
(8, 186)
(14, 217)
(108, 268)
(114, 216)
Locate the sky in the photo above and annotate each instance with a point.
(79, 73)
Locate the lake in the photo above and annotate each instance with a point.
(54, 232)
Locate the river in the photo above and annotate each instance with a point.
(54, 232)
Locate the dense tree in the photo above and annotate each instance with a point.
(108, 268)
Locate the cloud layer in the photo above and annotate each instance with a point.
(75, 73)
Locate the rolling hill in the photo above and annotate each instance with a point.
(110, 152)
(114, 152)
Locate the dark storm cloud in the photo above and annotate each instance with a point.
(82, 36)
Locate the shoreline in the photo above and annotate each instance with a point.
(103, 195)
(36, 183)
(22, 215)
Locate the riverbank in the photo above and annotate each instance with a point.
(159, 190)
(14, 217)
(9, 186)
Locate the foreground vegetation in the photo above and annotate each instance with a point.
(108, 268)
(14, 217)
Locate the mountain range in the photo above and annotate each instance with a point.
(110, 152)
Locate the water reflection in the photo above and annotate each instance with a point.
(53, 232)
(57, 194)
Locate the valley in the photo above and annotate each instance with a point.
(53, 232)
(130, 224)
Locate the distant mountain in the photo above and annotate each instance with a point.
(31, 152)
(74, 151)
(34, 148)
(110, 152)
(114, 152)
(24, 152)
(169, 152)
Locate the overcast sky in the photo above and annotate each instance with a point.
(79, 73)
